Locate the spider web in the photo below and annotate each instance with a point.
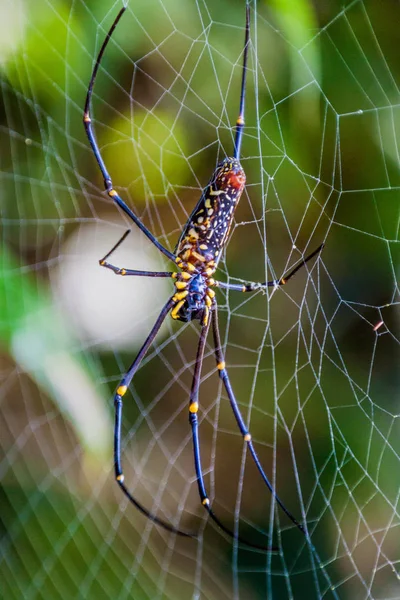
(314, 365)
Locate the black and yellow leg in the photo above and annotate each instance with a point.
(122, 271)
(193, 420)
(87, 121)
(118, 405)
(255, 286)
(223, 373)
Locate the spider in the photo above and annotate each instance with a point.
(196, 255)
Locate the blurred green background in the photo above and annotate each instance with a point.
(314, 365)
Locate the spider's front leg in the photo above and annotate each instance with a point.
(255, 286)
(108, 184)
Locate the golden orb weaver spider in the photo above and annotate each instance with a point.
(197, 254)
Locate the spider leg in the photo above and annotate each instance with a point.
(254, 286)
(240, 119)
(223, 373)
(87, 121)
(193, 420)
(121, 390)
(121, 271)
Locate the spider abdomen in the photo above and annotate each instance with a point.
(207, 229)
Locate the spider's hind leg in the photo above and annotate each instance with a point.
(223, 373)
(194, 423)
(118, 405)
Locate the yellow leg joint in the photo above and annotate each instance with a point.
(206, 502)
(211, 293)
(123, 272)
(121, 390)
(120, 478)
(112, 193)
(194, 407)
(221, 365)
(180, 285)
(185, 275)
(247, 437)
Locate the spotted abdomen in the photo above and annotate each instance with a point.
(206, 231)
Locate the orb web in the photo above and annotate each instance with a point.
(313, 364)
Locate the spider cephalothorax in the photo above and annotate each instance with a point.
(192, 296)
